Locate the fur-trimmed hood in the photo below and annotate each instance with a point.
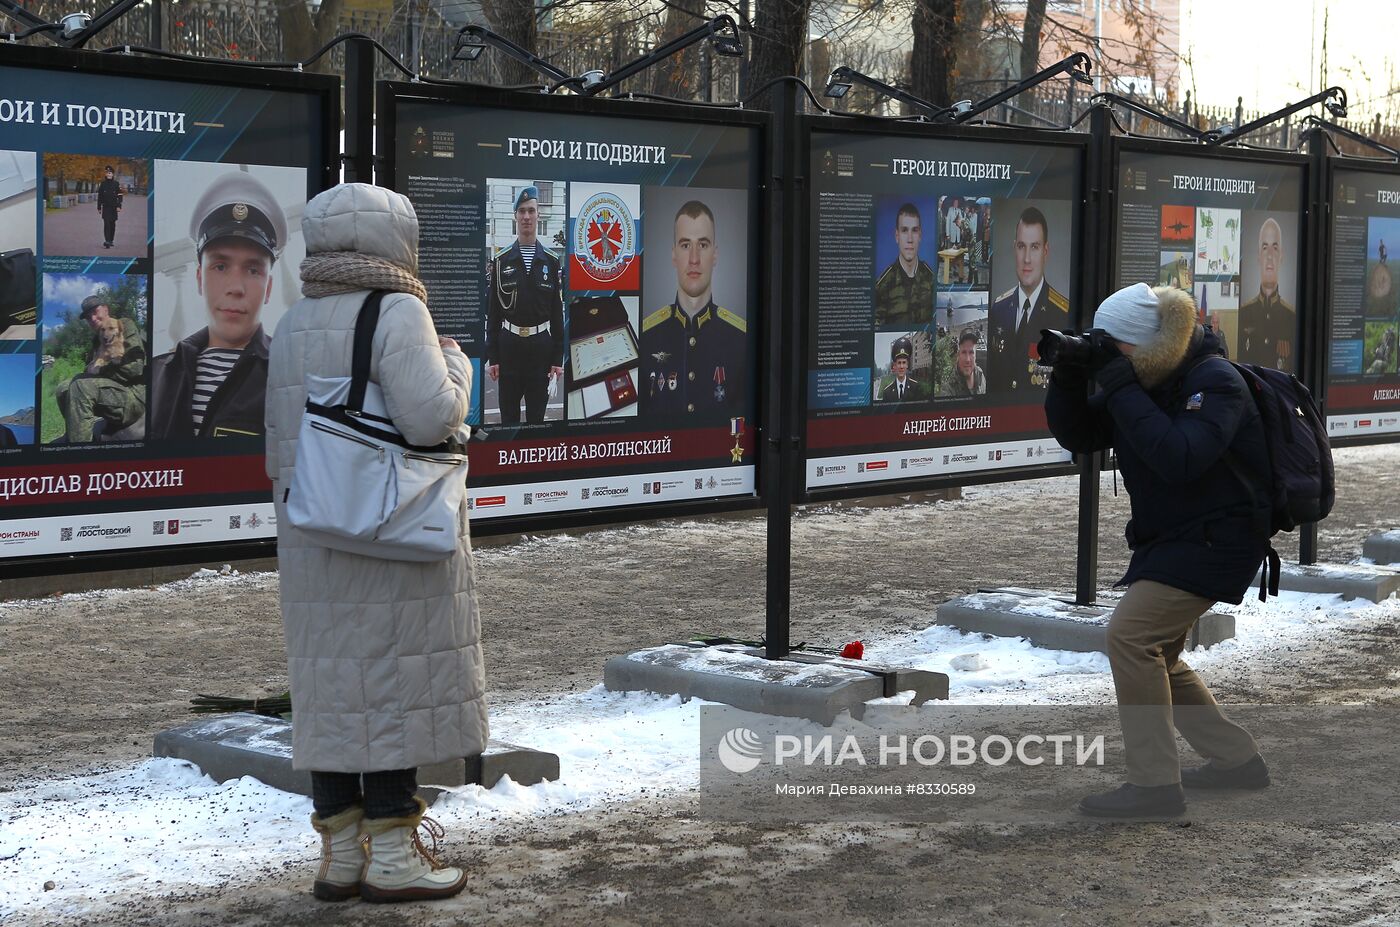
(1155, 361)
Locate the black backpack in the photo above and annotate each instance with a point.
(1300, 482)
(1300, 456)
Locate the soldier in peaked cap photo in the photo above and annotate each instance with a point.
(214, 382)
(524, 317)
(902, 387)
(95, 206)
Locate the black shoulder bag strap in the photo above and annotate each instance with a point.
(365, 325)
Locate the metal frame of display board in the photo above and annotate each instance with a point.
(1329, 166)
(387, 95)
(195, 74)
(991, 135)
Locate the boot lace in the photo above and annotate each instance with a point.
(435, 832)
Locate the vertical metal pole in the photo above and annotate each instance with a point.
(707, 76)
(1316, 319)
(1094, 286)
(781, 464)
(157, 25)
(358, 157)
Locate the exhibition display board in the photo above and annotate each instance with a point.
(150, 237)
(936, 256)
(599, 264)
(1362, 395)
(1226, 225)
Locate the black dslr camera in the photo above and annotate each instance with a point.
(1072, 350)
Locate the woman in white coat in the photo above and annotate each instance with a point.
(384, 656)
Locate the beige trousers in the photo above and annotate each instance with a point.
(1156, 689)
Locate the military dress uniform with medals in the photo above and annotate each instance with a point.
(902, 300)
(1266, 331)
(524, 328)
(693, 367)
(1014, 332)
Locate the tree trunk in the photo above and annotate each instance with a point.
(303, 36)
(679, 75)
(935, 56)
(1030, 37)
(515, 20)
(777, 42)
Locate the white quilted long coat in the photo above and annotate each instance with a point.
(384, 656)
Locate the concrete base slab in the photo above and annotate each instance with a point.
(229, 746)
(1382, 547)
(804, 685)
(1350, 581)
(1056, 623)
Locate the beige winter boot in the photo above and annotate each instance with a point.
(342, 855)
(400, 867)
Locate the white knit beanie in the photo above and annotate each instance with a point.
(1131, 315)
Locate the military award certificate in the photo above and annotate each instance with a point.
(604, 351)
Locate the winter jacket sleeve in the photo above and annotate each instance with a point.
(1182, 445)
(427, 390)
(1080, 426)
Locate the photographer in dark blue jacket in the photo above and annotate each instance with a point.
(1187, 437)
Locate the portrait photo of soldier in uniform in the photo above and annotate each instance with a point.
(19, 240)
(1268, 321)
(525, 333)
(904, 279)
(903, 367)
(93, 386)
(695, 349)
(226, 261)
(96, 206)
(1035, 258)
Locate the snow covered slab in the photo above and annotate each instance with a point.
(804, 685)
(1056, 623)
(230, 746)
(1350, 581)
(1382, 547)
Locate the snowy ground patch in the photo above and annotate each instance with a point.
(161, 827)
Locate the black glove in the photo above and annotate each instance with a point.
(1114, 373)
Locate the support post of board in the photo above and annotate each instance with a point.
(1316, 319)
(1098, 219)
(780, 458)
(358, 157)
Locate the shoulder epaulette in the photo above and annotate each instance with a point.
(926, 266)
(731, 318)
(1056, 298)
(888, 271)
(656, 318)
(1006, 295)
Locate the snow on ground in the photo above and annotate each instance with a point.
(160, 825)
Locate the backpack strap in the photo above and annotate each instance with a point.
(365, 325)
(1269, 572)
